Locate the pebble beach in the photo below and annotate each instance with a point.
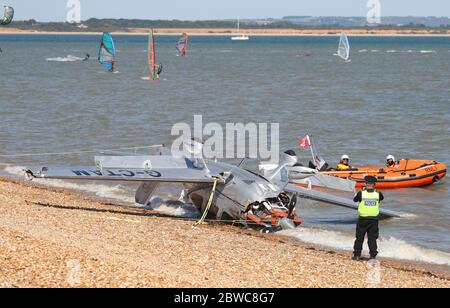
(58, 238)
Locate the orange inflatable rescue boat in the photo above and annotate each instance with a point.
(407, 173)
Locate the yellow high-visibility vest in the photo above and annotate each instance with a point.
(342, 167)
(370, 204)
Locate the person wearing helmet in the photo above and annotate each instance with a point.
(390, 161)
(344, 165)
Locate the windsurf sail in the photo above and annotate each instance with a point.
(152, 55)
(182, 44)
(9, 15)
(344, 47)
(107, 53)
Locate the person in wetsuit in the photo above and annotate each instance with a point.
(159, 70)
(88, 56)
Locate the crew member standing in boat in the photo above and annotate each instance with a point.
(369, 200)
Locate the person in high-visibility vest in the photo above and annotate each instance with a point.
(369, 200)
(344, 164)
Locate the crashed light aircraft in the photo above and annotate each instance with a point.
(219, 190)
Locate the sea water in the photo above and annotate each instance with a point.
(392, 98)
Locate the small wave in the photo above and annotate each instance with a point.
(409, 216)
(389, 247)
(363, 50)
(14, 170)
(173, 208)
(374, 50)
(391, 51)
(428, 51)
(69, 58)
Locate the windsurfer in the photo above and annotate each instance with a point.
(182, 45)
(159, 69)
(88, 56)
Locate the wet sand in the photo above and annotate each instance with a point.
(251, 32)
(58, 238)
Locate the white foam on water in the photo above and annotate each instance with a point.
(69, 58)
(15, 170)
(391, 51)
(363, 50)
(374, 50)
(388, 247)
(428, 51)
(173, 208)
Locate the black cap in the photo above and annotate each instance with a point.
(370, 179)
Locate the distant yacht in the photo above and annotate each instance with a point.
(239, 37)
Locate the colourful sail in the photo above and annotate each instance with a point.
(107, 53)
(182, 44)
(151, 55)
(8, 17)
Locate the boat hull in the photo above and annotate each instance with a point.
(408, 173)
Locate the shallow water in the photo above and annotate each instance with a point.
(392, 98)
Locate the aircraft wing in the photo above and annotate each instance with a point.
(309, 177)
(125, 175)
(158, 169)
(331, 199)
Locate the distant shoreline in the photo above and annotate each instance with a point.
(249, 32)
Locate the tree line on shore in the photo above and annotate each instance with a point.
(124, 25)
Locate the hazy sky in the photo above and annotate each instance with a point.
(55, 10)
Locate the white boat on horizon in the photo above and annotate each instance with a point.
(239, 37)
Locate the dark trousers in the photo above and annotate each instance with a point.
(370, 227)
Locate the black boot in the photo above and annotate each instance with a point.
(356, 258)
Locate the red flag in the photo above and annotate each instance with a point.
(305, 142)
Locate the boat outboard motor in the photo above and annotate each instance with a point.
(280, 174)
(320, 164)
(290, 158)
